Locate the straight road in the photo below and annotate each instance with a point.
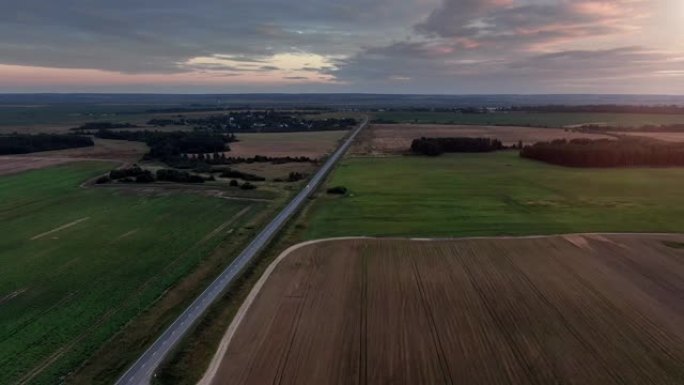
(142, 371)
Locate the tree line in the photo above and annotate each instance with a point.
(94, 126)
(626, 152)
(136, 174)
(439, 146)
(25, 143)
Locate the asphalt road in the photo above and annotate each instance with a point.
(142, 371)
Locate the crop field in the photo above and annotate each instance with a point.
(582, 309)
(493, 194)
(535, 119)
(80, 263)
(13, 164)
(312, 144)
(104, 149)
(396, 138)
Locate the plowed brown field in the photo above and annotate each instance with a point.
(582, 309)
(396, 138)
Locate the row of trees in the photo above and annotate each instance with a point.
(626, 152)
(137, 174)
(439, 146)
(24, 143)
(94, 126)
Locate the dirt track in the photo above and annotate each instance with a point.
(580, 309)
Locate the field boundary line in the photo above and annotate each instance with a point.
(60, 228)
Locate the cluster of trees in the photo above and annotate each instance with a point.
(25, 143)
(170, 146)
(244, 186)
(130, 172)
(178, 176)
(439, 146)
(221, 158)
(133, 174)
(256, 121)
(94, 126)
(137, 174)
(229, 173)
(626, 152)
(294, 176)
(337, 190)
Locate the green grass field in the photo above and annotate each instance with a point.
(494, 194)
(537, 119)
(79, 263)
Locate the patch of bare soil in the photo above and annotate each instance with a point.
(594, 309)
(103, 149)
(311, 144)
(13, 164)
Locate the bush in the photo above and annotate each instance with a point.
(126, 172)
(103, 180)
(248, 186)
(233, 183)
(295, 176)
(242, 175)
(171, 175)
(338, 190)
(145, 177)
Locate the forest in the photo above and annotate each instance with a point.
(439, 146)
(25, 143)
(625, 152)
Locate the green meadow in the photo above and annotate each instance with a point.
(493, 194)
(77, 264)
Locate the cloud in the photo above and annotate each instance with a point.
(515, 23)
(444, 46)
(159, 36)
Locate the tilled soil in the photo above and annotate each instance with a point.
(581, 309)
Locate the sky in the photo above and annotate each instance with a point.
(376, 46)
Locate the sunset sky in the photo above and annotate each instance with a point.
(394, 46)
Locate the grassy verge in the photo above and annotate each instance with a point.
(495, 194)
